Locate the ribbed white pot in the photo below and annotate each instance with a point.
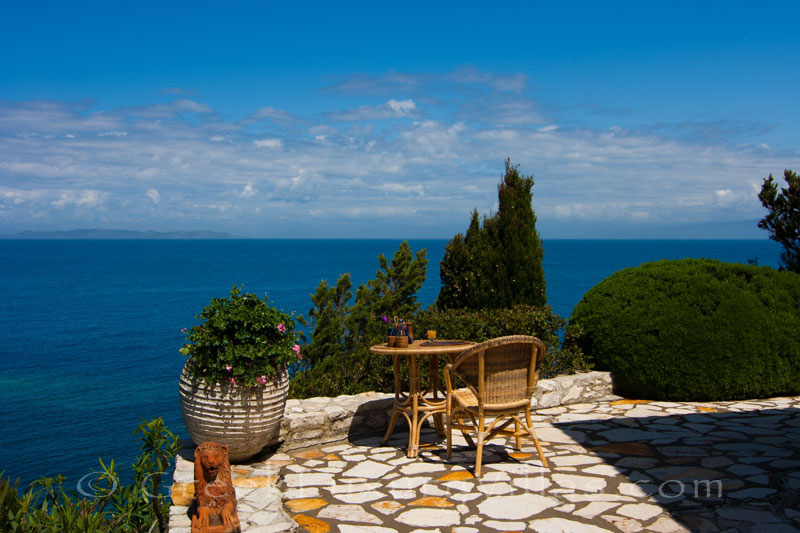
(246, 419)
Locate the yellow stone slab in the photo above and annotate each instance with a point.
(182, 494)
(520, 456)
(310, 454)
(629, 402)
(244, 472)
(332, 457)
(311, 524)
(707, 409)
(459, 475)
(432, 501)
(254, 482)
(387, 507)
(305, 504)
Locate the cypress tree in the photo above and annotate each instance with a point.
(497, 264)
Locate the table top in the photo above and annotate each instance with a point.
(424, 347)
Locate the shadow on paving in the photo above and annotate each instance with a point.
(704, 469)
(710, 471)
(372, 417)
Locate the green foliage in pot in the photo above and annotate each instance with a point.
(242, 340)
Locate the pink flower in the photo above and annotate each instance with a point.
(183, 330)
(296, 349)
(233, 381)
(228, 367)
(262, 380)
(281, 328)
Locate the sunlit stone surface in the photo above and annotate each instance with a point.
(667, 467)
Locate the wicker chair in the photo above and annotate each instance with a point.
(500, 375)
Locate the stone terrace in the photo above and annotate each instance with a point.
(617, 465)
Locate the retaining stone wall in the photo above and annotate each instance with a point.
(321, 420)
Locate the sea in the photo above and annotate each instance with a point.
(90, 329)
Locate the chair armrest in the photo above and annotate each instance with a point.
(447, 381)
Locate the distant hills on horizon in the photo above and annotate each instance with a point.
(98, 233)
(744, 230)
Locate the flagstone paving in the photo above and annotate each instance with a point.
(614, 466)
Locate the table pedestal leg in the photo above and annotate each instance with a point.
(414, 392)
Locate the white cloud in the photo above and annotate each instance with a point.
(153, 195)
(402, 108)
(421, 160)
(270, 113)
(391, 109)
(248, 191)
(403, 189)
(268, 143)
(80, 199)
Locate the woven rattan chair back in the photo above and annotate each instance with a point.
(502, 371)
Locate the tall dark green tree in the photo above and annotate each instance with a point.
(783, 220)
(327, 319)
(392, 292)
(497, 264)
(342, 333)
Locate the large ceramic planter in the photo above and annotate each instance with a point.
(246, 419)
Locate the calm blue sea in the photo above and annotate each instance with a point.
(90, 330)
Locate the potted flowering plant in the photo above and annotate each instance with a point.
(235, 381)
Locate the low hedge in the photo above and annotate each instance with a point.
(360, 371)
(484, 324)
(695, 330)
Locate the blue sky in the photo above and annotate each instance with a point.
(362, 120)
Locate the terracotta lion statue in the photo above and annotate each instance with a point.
(213, 491)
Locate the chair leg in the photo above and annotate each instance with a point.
(449, 429)
(479, 452)
(517, 433)
(535, 438)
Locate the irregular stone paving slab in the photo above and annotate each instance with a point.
(667, 467)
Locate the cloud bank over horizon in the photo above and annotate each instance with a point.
(401, 154)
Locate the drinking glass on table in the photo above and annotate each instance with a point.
(431, 335)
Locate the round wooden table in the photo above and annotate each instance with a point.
(417, 405)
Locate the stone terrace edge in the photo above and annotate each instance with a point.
(322, 420)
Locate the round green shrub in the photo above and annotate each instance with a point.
(695, 330)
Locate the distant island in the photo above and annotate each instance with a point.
(119, 234)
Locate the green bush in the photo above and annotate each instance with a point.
(695, 329)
